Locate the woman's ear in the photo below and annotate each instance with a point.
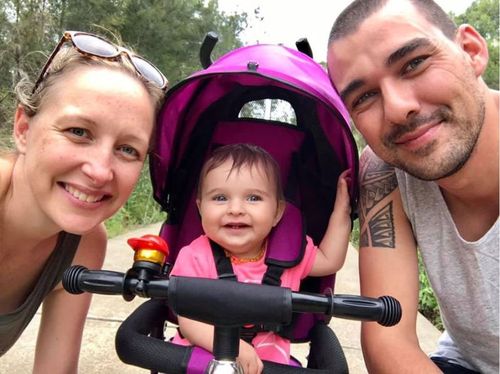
(279, 212)
(475, 47)
(21, 128)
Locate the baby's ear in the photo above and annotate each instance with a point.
(279, 212)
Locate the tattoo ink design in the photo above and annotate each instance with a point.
(376, 185)
(382, 228)
(378, 180)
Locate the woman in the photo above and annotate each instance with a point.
(82, 134)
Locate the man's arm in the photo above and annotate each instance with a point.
(63, 314)
(388, 266)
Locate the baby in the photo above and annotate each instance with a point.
(240, 200)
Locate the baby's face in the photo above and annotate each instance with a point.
(238, 209)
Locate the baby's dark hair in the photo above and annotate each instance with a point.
(243, 155)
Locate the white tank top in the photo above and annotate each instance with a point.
(464, 276)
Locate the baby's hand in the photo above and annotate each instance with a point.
(342, 205)
(248, 359)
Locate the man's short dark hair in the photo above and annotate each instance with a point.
(359, 10)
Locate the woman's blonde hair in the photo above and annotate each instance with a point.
(67, 59)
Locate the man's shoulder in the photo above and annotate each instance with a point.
(374, 172)
(370, 162)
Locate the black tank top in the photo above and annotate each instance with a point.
(13, 324)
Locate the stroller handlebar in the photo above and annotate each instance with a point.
(219, 302)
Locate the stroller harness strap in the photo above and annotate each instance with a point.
(271, 277)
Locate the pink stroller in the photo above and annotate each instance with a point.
(310, 138)
(312, 145)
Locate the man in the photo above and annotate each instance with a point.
(411, 81)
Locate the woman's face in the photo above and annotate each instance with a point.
(83, 152)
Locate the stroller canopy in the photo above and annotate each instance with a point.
(258, 65)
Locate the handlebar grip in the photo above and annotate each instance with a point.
(78, 279)
(385, 310)
(225, 303)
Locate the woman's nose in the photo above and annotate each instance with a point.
(98, 168)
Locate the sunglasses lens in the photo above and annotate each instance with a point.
(148, 71)
(94, 45)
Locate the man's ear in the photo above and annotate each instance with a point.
(279, 212)
(21, 128)
(475, 46)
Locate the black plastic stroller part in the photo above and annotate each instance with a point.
(303, 46)
(207, 46)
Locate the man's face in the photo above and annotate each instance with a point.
(410, 91)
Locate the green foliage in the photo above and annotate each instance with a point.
(484, 16)
(428, 305)
(140, 209)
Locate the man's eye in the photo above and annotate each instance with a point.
(413, 64)
(362, 98)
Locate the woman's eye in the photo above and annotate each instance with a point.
(78, 132)
(129, 151)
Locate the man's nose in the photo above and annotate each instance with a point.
(399, 100)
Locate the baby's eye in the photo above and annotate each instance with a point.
(254, 198)
(219, 198)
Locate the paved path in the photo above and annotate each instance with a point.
(107, 312)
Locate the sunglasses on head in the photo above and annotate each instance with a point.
(93, 45)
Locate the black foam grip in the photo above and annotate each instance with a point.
(226, 303)
(135, 347)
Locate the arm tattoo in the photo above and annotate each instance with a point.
(381, 227)
(378, 180)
